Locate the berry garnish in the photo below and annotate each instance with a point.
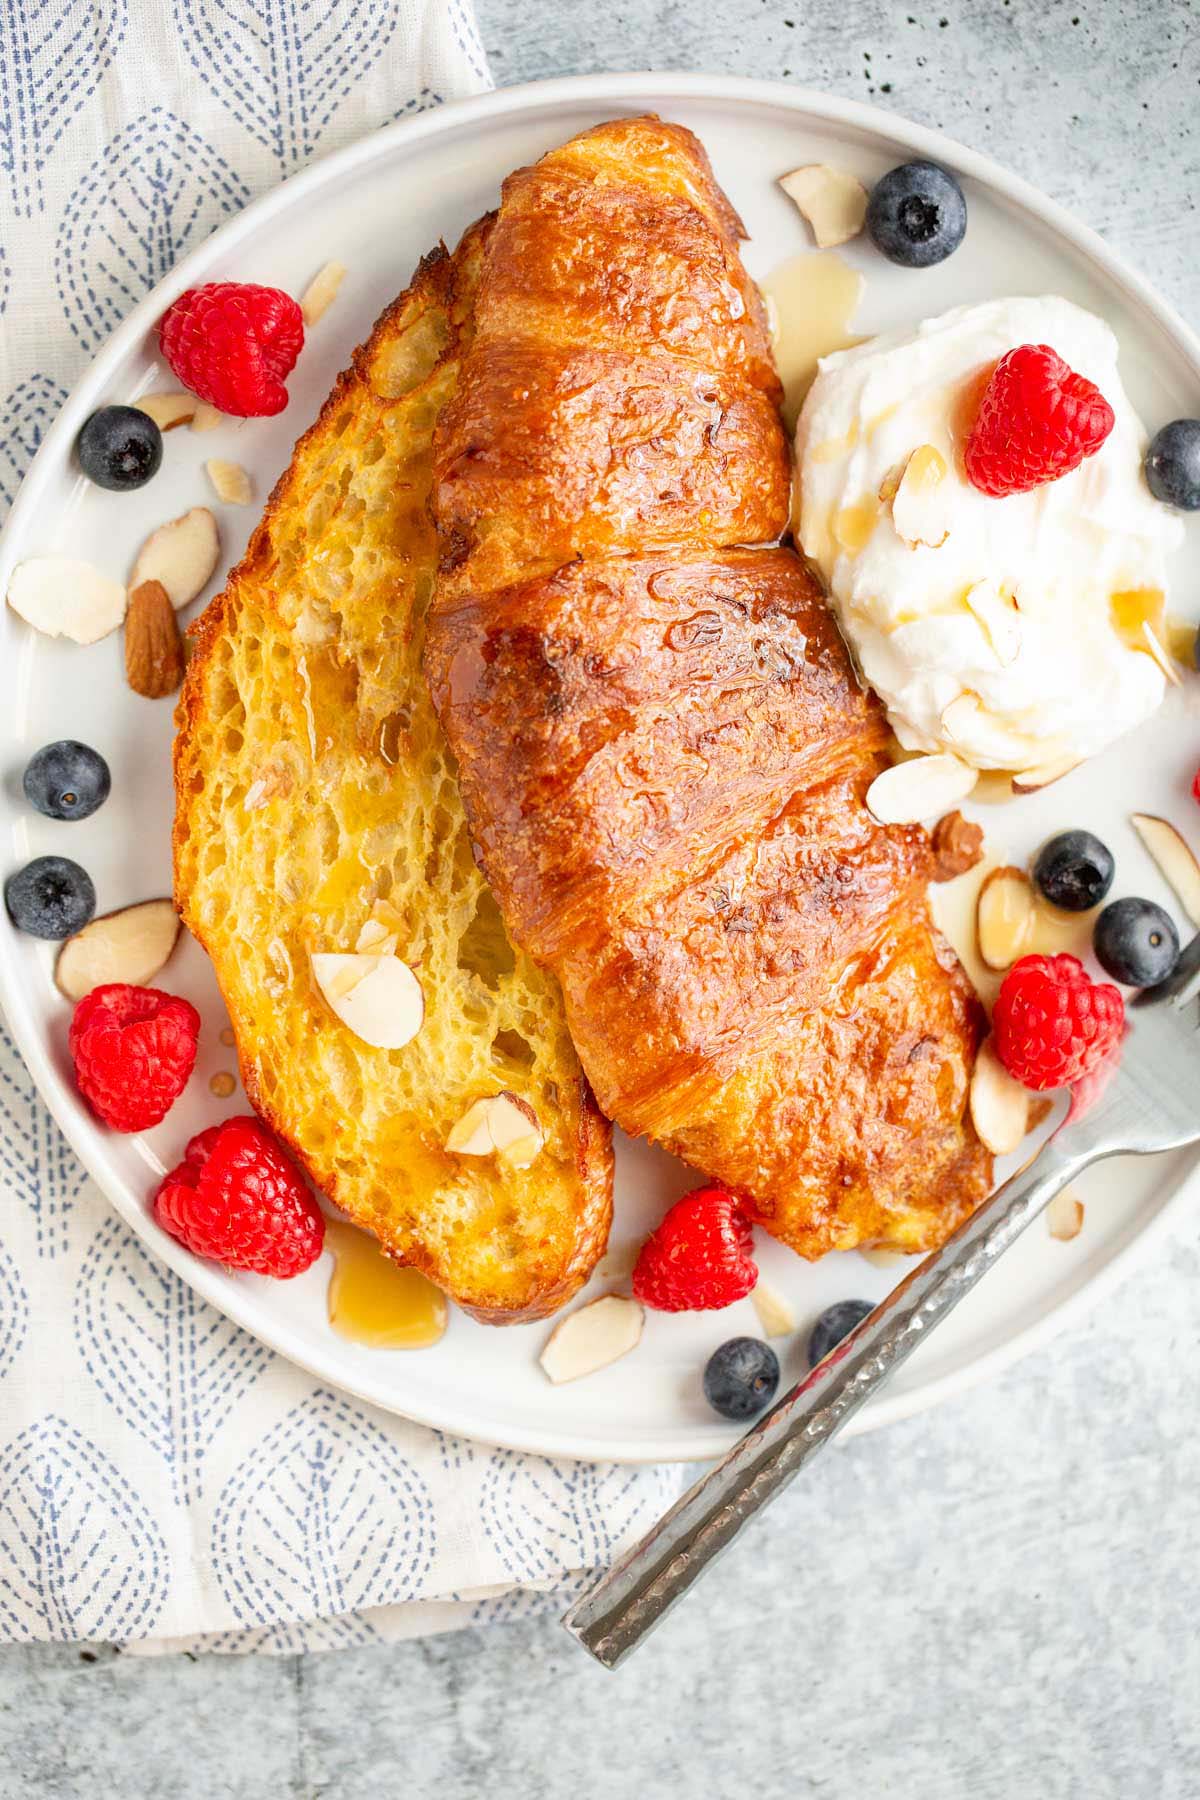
(1052, 1023)
(133, 1050)
(67, 780)
(1037, 421)
(234, 343)
(917, 215)
(740, 1377)
(1173, 464)
(1136, 942)
(699, 1258)
(834, 1324)
(119, 448)
(51, 897)
(238, 1198)
(1074, 870)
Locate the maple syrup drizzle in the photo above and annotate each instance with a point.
(954, 905)
(814, 297)
(372, 1300)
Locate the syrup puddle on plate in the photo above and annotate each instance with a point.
(372, 1300)
(954, 905)
(812, 298)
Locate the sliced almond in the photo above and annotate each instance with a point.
(376, 997)
(1155, 646)
(961, 717)
(1005, 916)
(957, 846)
(182, 555)
(499, 1123)
(1064, 1216)
(924, 787)
(206, 417)
(321, 291)
(999, 1105)
(1175, 861)
(131, 945)
(168, 410)
(774, 1314)
(154, 654)
(832, 200)
(995, 607)
(376, 940)
(919, 502)
(230, 482)
(1029, 781)
(66, 598)
(890, 483)
(598, 1334)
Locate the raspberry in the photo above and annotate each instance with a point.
(232, 343)
(133, 1050)
(238, 1198)
(1053, 1024)
(699, 1259)
(1037, 420)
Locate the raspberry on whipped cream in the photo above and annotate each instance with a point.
(1008, 631)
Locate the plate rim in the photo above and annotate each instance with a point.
(562, 92)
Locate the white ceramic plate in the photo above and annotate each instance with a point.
(377, 207)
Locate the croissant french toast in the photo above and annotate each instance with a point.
(662, 747)
(315, 793)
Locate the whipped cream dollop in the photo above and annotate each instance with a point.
(1010, 631)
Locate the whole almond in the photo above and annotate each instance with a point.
(957, 846)
(154, 654)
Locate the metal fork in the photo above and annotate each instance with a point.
(1149, 1102)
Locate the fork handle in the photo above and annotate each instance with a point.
(616, 1613)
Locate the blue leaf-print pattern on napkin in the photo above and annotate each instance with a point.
(171, 1366)
(283, 71)
(14, 1311)
(547, 1519)
(323, 1516)
(158, 190)
(24, 421)
(80, 1555)
(38, 1168)
(52, 56)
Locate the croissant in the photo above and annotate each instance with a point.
(662, 746)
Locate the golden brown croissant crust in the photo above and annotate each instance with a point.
(662, 747)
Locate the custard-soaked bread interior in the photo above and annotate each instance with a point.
(315, 791)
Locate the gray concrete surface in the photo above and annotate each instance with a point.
(997, 1600)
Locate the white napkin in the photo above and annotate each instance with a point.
(165, 1481)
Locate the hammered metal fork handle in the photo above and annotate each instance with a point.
(615, 1614)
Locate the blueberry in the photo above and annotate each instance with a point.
(1074, 870)
(119, 448)
(740, 1377)
(1173, 464)
(835, 1323)
(51, 897)
(917, 215)
(67, 780)
(1136, 942)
